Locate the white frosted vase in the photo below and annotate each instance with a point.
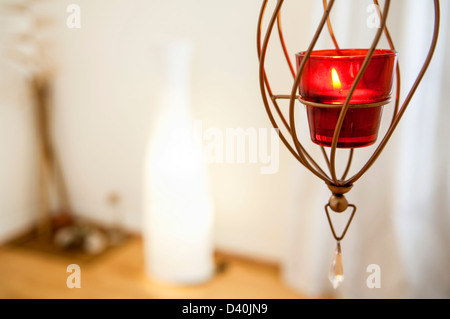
(178, 212)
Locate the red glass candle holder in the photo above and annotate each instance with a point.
(325, 84)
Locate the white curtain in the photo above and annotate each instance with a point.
(403, 219)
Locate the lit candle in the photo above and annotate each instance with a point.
(327, 80)
(335, 79)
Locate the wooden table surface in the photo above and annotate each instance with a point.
(27, 273)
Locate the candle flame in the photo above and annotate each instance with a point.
(335, 78)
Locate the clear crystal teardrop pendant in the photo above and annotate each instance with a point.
(336, 274)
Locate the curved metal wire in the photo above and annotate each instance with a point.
(392, 46)
(291, 68)
(316, 170)
(299, 152)
(264, 84)
(293, 97)
(330, 28)
(346, 105)
(283, 45)
(337, 186)
(324, 153)
(412, 91)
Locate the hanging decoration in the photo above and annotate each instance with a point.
(344, 92)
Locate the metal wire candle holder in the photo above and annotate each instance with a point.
(338, 186)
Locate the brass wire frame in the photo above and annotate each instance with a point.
(338, 186)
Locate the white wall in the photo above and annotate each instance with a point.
(18, 181)
(103, 105)
(17, 169)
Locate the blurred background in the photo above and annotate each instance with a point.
(105, 107)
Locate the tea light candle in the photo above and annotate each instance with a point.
(327, 79)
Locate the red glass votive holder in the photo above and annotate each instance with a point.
(325, 84)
